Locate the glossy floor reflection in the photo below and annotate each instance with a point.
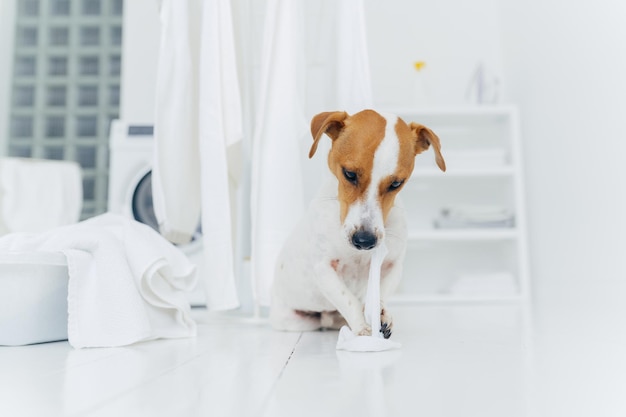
(564, 357)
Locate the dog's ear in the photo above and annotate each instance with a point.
(330, 122)
(424, 137)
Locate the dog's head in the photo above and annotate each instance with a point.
(372, 156)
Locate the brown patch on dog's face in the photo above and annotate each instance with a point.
(406, 161)
(353, 152)
(372, 156)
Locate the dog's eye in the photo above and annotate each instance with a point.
(350, 176)
(395, 185)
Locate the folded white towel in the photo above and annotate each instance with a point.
(477, 213)
(126, 282)
(38, 195)
(474, 216)
(495, 283)
(376, 342)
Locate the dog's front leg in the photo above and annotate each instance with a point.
(342, 298)
(392, 272)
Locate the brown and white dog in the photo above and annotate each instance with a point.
(322, 271)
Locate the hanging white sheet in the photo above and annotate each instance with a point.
(277, 200)
(282, 126)
(354, 86)
(198, 116)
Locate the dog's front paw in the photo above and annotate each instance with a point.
(365, 330)
(386, 323)
(332, 320)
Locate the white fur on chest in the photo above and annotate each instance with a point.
(354, 272)
(318, 240)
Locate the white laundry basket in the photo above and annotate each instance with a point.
(33, 298)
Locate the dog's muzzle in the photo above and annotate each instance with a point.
(364, 240)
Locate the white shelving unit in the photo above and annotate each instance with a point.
(481, 146)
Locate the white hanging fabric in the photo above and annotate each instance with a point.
(198, 117)
(277, 198)
(353, 82)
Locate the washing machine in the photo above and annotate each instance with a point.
(130, 188)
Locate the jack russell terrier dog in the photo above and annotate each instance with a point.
(322, 271)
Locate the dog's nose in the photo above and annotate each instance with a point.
(364, 240)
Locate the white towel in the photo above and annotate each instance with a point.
(474, 216)
(376, 342)
(354, 86)
(126, 282)
(38, 195)
(176, 167)
(277, 200)
(199, 122)
(220, 125)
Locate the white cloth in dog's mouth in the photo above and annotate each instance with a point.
(376, 342)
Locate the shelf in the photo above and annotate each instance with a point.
(458, 112)
(403, 299)
(464, 234)
(501, 171)
(481, 147)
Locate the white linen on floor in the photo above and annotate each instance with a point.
(199, 123)
(126, 282)
(38, 195)
(277, 196)
(376, 342)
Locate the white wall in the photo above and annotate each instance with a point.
(566, 67)
(451, 36)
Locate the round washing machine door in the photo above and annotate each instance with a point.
(142, 208)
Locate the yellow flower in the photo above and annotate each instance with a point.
(419, 65)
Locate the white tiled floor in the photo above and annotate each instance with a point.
(567, 358)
